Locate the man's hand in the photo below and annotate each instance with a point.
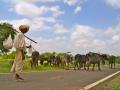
(29, 46)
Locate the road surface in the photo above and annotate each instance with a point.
(54, 80)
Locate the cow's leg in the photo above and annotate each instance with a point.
(93, 67)
(58, 63)
(42, 62)
(37, 63)
(34, 63)
(31, 63)
(109, 65)
(88, 66)
(76, 65)
(114, 65)
(68, 65)
(64, 64)
(79, 66)
(50, 63)
(99, 67)
(84, 66)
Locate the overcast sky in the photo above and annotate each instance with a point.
(78, 26)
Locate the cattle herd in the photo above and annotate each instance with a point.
(78, 61)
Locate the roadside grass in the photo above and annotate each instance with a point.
(4, 67)
(113, 84)
(6, 64)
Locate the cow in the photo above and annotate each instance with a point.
(80, 61)
(93, 58)
(50, 60)
(111, 60)
(35, 58)
(58, 61)
(65, 60)
(42, 58)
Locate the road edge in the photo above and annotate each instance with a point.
(37, 71)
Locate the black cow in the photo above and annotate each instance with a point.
(57, 61)
(35, 58)
(42, 58)
(111, 60)
(80, 61)
(51, 60)
(93, 58)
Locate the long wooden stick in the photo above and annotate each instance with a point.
(27, 37)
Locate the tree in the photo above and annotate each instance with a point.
(6, 29)
(47, 54)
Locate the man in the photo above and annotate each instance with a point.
(19, 45)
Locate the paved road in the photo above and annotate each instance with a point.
(54, 80)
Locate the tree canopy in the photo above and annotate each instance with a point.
(6, 29)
